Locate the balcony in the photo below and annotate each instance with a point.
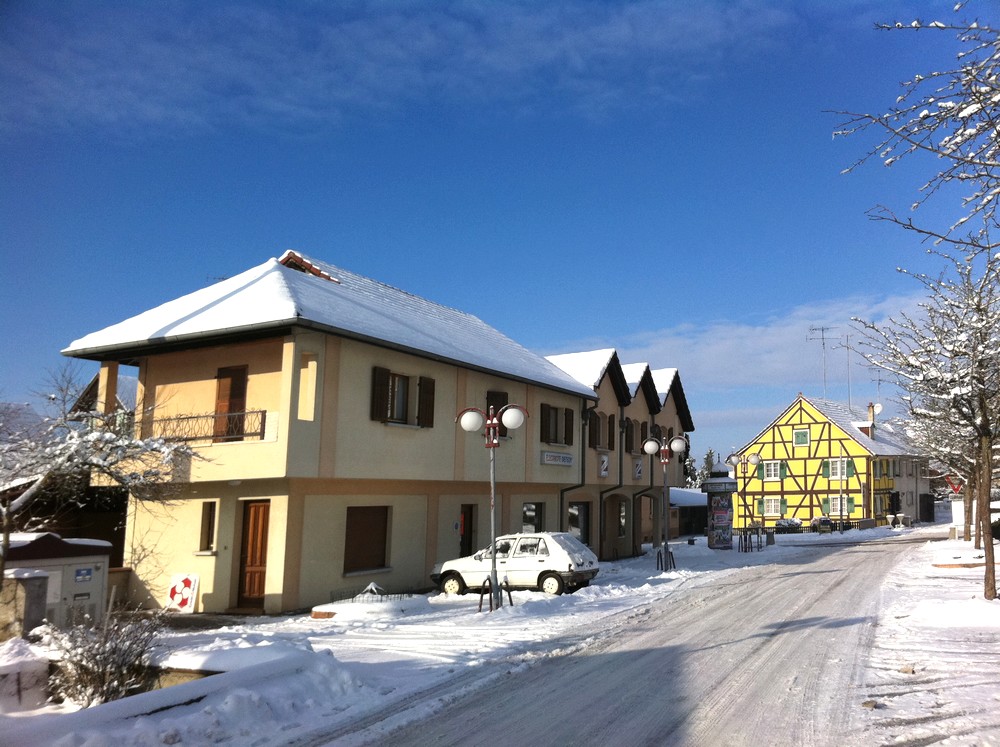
(212, 427)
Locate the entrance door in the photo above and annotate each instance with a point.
(253, 554)
(467, 530)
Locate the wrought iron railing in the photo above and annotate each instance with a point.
(214, 427)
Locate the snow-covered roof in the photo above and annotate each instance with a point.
(633, 375)
(664, 379)
(299, 291)
(687, 497)
(588, 367)
(885, 441)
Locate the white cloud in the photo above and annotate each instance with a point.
(196, 67)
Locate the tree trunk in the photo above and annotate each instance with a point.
(985, 484)
(969, 497)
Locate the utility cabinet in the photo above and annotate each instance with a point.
(77, 572)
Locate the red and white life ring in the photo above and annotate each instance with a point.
(182, 593)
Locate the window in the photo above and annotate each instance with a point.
(774, 506)
(773, 470)
(397, 398)
(366, 538)
(532, 517)
(629, 436)
(895, 468)
(307, 386)
(531, 546)
(838, 469)
(556, 425)
(800, 437)
(579, 521)
(206, 543)
(230, 403)
(839, 505)
(497, 400)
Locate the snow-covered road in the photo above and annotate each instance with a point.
(761, 657)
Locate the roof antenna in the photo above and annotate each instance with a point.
(822, 336)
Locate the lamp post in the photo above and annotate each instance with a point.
(472, 419)
(652, 446)
(734, 461)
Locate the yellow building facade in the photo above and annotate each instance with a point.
(825, 459)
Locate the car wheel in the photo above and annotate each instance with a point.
(551, 583)
(453, 585)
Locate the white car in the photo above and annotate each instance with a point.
(552, 562)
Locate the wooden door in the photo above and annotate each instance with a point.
(253, 554)
(230, 403)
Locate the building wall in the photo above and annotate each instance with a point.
(805, 488)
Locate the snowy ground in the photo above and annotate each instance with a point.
(286, 678)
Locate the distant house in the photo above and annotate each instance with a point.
(323, 404)
(821, 458)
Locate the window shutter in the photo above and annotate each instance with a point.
(826, 468)
(850, 504)
(425, 403)
(826, 505)
(784, 506)
(760, 471)
(568, 440)
(380, 394)
(546, 423)
(783, 470)
(850, 468)
(760, 506)
(594, 430)
(611, 433)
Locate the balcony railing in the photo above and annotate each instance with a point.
(217, 428)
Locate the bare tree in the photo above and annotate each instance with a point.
(947, 362)
(46, 461)
(947, 359)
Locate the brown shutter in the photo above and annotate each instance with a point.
(594, 430)
(568, 440)
(546, 423)
(425, 403)
(230, 403)
(380, 394)
(612, 436)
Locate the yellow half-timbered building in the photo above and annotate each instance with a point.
(825, 459)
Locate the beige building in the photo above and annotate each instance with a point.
(323, 407)
(620, 502)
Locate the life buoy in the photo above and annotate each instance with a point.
(182, 593)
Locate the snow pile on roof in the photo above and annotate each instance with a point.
(588, 368)
(664, 379)
(299, 291)
(884, 443)
(633, 375)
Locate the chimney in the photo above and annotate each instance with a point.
(870, 429)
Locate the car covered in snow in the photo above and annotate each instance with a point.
(552, 562)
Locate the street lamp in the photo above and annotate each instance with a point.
(734, 461)
(651, 446)
(472, 419)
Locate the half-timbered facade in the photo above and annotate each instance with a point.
(822, 458)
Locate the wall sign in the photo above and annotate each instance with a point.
(558, 458)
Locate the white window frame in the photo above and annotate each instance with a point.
(836, 501)
(772, 506)
(772, 470)
(838, 469)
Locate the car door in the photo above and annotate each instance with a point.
(527, 561)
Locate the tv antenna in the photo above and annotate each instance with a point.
(847, 345)
(822, 337)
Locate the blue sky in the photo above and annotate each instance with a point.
(659, 176)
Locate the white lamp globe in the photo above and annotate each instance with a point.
(678, 445)
(512, 418)
(651, 446)
(754, 459)
(470, 421)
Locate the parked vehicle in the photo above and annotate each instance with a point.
(551, 562)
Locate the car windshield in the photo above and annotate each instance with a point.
(569, 543)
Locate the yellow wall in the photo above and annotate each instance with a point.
(804, 488)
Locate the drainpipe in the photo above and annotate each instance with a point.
(584, 419)
(621, 473)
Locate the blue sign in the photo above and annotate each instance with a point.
(84, 575)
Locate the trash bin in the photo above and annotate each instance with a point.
(769, 536)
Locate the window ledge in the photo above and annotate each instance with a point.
(391, 424)
(205, 553)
